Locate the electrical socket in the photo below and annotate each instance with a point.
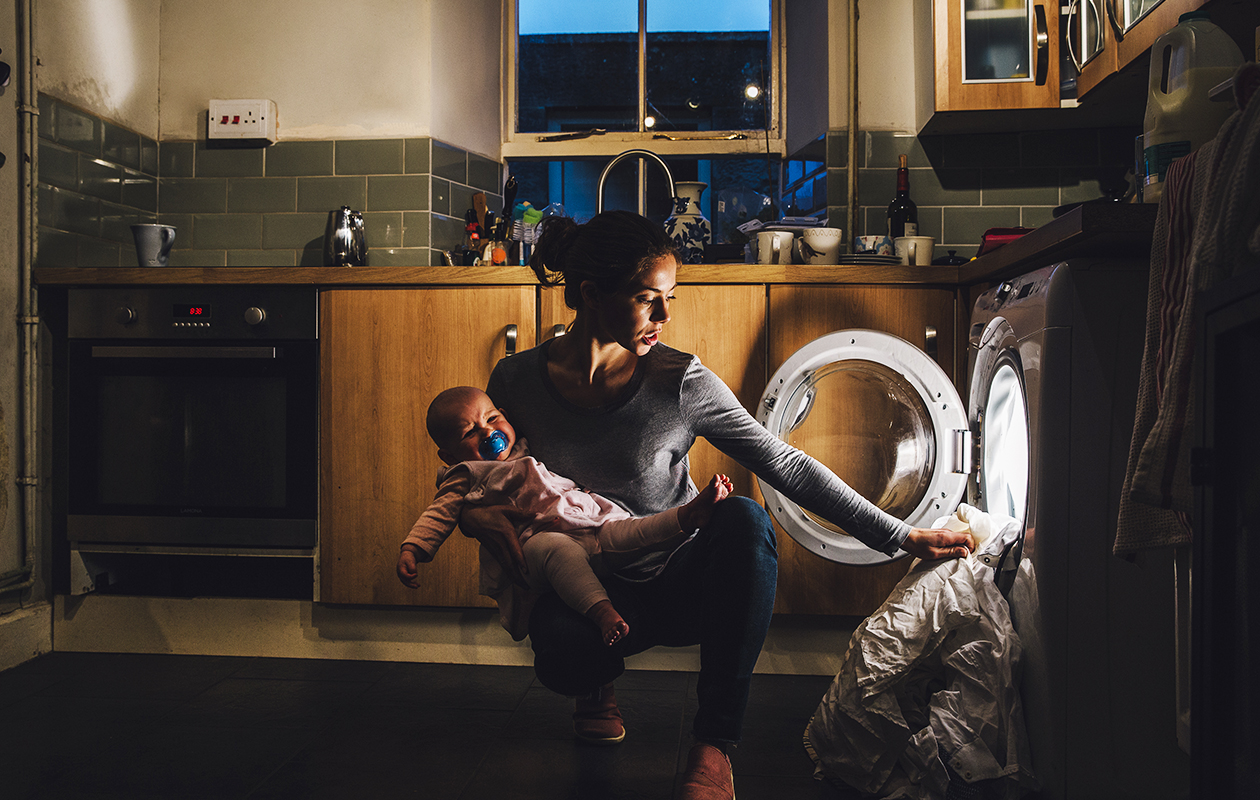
(243, 119)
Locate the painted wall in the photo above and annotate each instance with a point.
(103, 56)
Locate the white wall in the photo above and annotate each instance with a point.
(891, 49)
(465, 74)
(101, 55)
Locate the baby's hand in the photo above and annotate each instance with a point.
(699, 511)
(407, 572)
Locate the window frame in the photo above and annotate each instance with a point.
(694, 144)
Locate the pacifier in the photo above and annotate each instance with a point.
(493, 446)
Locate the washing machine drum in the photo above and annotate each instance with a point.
(883, 416)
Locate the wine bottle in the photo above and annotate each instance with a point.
(903, 216)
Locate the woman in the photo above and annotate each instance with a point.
(616, 411)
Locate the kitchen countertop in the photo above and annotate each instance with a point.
(1094, 229)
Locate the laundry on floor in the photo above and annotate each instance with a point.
(928, 692)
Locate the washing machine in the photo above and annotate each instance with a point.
(1042, 436)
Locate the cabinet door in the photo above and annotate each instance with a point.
(996, 54)
(923, 316)
(384, 355)
(1127, 29)
(725, 325)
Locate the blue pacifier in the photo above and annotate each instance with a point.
(493, 446)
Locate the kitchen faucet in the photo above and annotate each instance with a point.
(669, 178)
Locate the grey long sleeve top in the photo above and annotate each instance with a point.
(634, 450)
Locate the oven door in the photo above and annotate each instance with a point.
(193, 443)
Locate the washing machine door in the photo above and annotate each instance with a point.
(883, 416)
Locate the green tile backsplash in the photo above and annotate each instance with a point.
(247, 206)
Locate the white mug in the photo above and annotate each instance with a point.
(820, 245)
(774, 247)
(915, 250)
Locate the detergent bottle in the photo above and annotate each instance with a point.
(1186, 63)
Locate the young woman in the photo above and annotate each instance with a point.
(610, 407)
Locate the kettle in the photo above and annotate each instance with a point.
(344, 243)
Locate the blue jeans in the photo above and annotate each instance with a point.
(717, 591)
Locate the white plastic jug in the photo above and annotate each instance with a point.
(1186, 62)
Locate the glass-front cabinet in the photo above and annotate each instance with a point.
(1105, 36)
(996, 54)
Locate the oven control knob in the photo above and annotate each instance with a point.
(254, 315)
(124, 316)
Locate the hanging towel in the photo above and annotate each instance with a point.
(1207, 228)
(928, 690)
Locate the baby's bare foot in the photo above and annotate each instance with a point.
(699, 511)
(611, 626)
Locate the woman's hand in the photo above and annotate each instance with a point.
(930, 544)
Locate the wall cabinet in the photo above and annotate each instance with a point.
(384, 355)
(996, 54)
(924, 316)
(1112, 34)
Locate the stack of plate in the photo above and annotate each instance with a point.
(869, 259)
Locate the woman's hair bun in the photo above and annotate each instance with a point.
(556, 237)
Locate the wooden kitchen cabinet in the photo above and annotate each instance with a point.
(809, 584)
(384, 355)
(1140, 23)
(995, 54)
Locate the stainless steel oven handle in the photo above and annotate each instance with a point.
(123, 351)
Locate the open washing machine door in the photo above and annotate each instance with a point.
(882, 415)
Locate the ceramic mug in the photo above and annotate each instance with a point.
(873, 245)
(819, 245)
(153, 243)
(774, 247)
(915, 250)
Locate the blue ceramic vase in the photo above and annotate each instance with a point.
(687, 226)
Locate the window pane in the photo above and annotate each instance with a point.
(577, 65)
(702, 59)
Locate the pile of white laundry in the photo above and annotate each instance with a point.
(932, 679)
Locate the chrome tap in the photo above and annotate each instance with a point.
(599, 190)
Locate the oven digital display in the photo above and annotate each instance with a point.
(191, 312)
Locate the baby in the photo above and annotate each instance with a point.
(568, 532)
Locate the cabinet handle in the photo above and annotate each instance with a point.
(511, 340)
(1112, 14)
(929, 341)
(557, 330)
(1043, 46)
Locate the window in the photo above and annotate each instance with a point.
(696, 83)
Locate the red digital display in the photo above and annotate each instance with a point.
(190, 311)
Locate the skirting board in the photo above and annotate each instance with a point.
(25, 634)
(302, 629)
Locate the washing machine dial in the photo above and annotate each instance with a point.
(124, 315)
(255, 315)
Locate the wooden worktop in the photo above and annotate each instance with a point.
(1092, 229)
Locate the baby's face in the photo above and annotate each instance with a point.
(471, 424)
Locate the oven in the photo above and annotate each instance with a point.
(193, 417)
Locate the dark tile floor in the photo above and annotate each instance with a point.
(91, 725)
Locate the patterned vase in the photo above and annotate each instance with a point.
(687, 226)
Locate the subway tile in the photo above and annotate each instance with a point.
(415, 232)
(175, 159)
(943, 187)
(312, 255)
(296, 231)
(485, 174)
(437, 258)
(441, 196)
(1059, 148)
(930, 222)
(1078, 185)
(884, 149)
(462, 200)
(120, 145)
(416, 158)
(837, 149)
(383, 229)
(56, 248)
(260, 195)
(100, 253)
(47, 117)
(876, 187)
(1020, 187)
(838, 186)
(368, 157)
(975, 150)
(228, 162)
(967, 225)
(140, 190)
(299, 159)
(183, 225)
(398, 257)
(227, 231)
(325, 194)
(78, 130)
(69, 211)
(1035, 216)
(450, 162)
(149, 162)
(398, 193)
(447, 232)
(198, 258)
(58, 166)
(192, 195)
(101, 179)
(116, 222)
(261, 258)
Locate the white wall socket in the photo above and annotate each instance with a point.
(243, 119)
